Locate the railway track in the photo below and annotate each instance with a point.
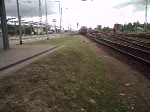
(134, 42)
(139, 54)
(144, 36)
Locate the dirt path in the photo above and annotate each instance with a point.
(131, 84)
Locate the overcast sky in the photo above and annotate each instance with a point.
(88, 13)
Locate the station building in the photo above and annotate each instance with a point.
(117, 27)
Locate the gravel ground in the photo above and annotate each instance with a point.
(130, 77)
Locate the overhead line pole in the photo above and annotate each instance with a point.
(60, 15)
(19, 19)
(4, 25)
(46, 20)
(40, 14)
(40, 11)
(146, 15)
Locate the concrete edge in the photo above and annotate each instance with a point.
(27, 61)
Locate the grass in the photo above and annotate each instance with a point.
(72, 79)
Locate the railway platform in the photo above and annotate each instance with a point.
(21, 55)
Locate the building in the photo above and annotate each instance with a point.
(117, 27)
(99, 27)
(38, 30)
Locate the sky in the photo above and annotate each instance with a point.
(88, 13)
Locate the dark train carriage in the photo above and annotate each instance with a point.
(83, 30)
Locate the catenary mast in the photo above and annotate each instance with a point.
(146, 15)
(40, 11)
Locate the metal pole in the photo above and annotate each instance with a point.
(46, 20)
(4, 25)
(146, 15)
(55, 27)
(68, 23)
(19, 19)
(31, 29)
(54, 20)
(40, 16)
(40, 11)
(60, 21)
(60, 14)
(15, 30)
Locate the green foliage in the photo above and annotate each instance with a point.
(7, 90)
(33, 80)
(11, 32)
(72, 93)
(133, 27)
(55, 86)
(60, 110)
(71, 79)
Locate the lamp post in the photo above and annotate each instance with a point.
(60, 14)
(54, 20)
(19, 19)
(145, 27)
(31, 23)
(46, 20)
(4, 25)
(15, 29)
(69, 25)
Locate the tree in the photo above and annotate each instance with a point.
(129, 27)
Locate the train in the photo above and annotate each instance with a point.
(83, 30)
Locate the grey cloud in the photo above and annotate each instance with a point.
(29, 8)
(139, 5)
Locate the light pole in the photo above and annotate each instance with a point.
(69, 25)
(30, 23)
(15, 29)
(4, 25)
(19, 19)
(46, 20)
(54, 20)
(146, 15)
(60, 14)
(40, 11)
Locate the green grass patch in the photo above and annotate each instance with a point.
(7, 90)
(72, 79)
(55, 86)
(33, 80)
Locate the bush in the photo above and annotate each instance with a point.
(11, 32)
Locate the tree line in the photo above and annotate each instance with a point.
(129, 27)
(134, 26)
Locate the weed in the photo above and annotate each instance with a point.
(91, 103)
(64, 69)
(7, 90)
(71, 79)
(60, 110)
(72, 93)
(33, 80)
(52, 101)
(55, 86)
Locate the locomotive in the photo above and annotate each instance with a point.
(83, 30)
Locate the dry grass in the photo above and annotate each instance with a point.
(69, 80)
